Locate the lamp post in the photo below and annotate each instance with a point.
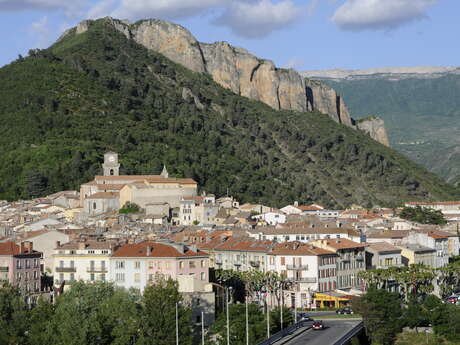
(268, 315)
(247, 322)
(202, 328)
(228, 314)
(295, 308)
(177, 323)
(282, 305)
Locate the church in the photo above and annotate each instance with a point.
(111, 191)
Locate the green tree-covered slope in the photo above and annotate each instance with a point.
(422, 116)
(61, 108)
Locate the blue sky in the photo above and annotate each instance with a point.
(308, 34)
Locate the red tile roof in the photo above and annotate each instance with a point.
(299, 248)
(156, 250)
(104, 195)
(9, 248)
(341, 243)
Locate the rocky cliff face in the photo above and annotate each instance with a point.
(375, 127)
(235, 68)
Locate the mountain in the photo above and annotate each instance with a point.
(97, 90)
(420, 106)
(238, 70)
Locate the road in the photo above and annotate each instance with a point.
(334, 330)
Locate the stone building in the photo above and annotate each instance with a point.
(111, 191)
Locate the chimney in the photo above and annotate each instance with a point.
(26, 247)
(149, 250)
(296, 203)
(82, 245)
(58, 244)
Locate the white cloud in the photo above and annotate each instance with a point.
(41, 31)
(246, 18)
(295, 63)
(164, 9)
(71, 7)
(358, 15)
(254, 19)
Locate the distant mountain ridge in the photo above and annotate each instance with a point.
(420, 106)
(393, 73)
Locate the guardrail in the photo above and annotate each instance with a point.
(346, 337)
(284, 332)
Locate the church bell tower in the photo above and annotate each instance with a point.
(111, 166)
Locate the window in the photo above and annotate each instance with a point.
(119, 264)
(27, 275)
(120, 277)
(137, 277)
(61, 277)
(94, 206)
(91, 251)
(35, 274)
(18, 264)
(27, 263)
(150, 265)
(283, 261)
(167, 265)
(72, 264)
(191, 264)
(103, 277)
(35, 263)
(137, 265)
(72, 277)
(203, 276)
(203, 263)
(181, 264)
(91, 277)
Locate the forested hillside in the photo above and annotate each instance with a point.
(422, 116)
(63, 107)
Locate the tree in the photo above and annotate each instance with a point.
(13, 316)
(129, 207)
(275, 319)
(40, 316)
(237, 316)
(158, 315)
(36, 184)
(423, 215)
(94, 314)
(382, 315)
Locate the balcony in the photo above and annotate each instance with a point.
(238, 263)
(4, 269)
(297, 267)
(360, 258)
(67, 282)
(96, 269)
(254, 263)
(305, 280)
(66, 269)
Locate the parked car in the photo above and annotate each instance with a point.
(452, 299)
(303, 317)
(345, 310)
(317, 325)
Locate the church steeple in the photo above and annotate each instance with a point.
(164, 173)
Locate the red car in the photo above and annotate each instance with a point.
(317, 325)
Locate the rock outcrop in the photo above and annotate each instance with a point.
(235, 68)
(375, 127)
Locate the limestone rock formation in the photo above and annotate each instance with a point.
(375, 127)
(235, 68)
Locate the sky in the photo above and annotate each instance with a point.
(302, 34)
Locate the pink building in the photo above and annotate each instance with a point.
(20, 266)
(136, 265)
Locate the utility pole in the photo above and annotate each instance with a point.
(202, 328)
(177, 323)
(247, 322)
(282, 305)
(268, 316)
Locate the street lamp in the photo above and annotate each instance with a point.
(228, 314)
(268, 315)
(282, 305)
(247, 322)
(177, 323)
(202, 328)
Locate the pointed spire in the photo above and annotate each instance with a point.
(164, 173)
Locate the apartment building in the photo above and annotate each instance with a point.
(138, 264)
(20, 266)
(86, 260)
(351, 260)
(382, 255)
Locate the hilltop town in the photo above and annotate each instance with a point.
(129, 229)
